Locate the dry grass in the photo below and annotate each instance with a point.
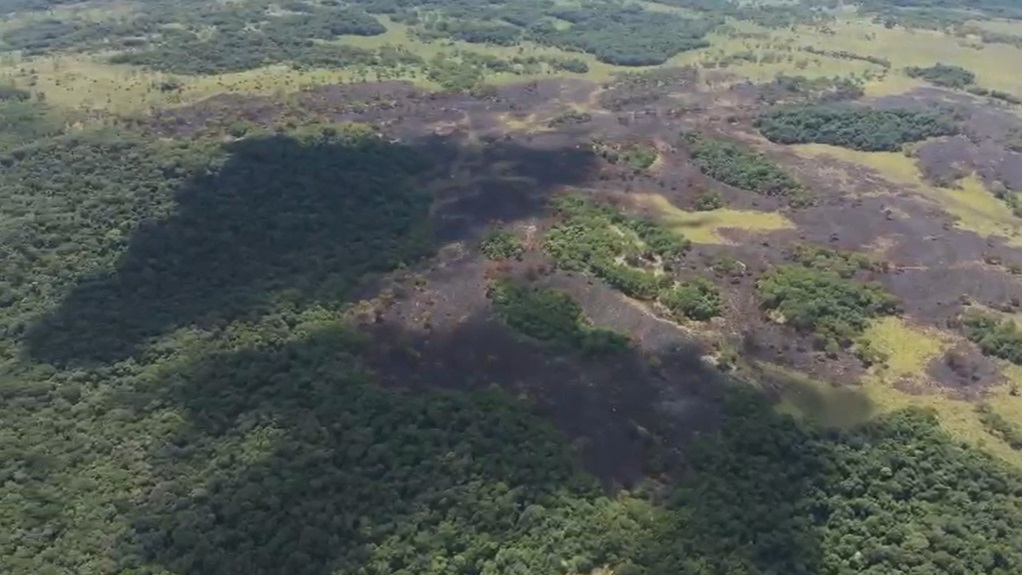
(709, 227)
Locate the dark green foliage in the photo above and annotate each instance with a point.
(739, 166)
(709, 201)
(943, 75)
(836, 310)
(552, 317)
(592, 237)
(995, 336)
(23, 121)
(573, 65)
(858, 128)
(998, 426)
(635, 154)
(260, 222)
(772, 496)
(174, 36)
(843, 263)
(939, 14)
(501, 244)
(696, 299)
(626, 36)
(961, 79)
(585, 238)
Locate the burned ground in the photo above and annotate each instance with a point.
(499, 156)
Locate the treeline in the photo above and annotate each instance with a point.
(737, 165)
(846, 55)
(196, 38)
(854, 127)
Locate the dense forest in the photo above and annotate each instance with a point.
(855, 127)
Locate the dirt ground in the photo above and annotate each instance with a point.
(515, 149)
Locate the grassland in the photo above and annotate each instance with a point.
(709, 227)
(975, 208)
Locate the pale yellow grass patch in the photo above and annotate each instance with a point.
(707, 227)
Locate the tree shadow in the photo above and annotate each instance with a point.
(293, 459)
(284, 221)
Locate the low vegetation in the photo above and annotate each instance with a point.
(696, 299)
(501, 244)
(995, 336)
(959, 78)
(943, 75)
(844, 263)
(834, 309)
(741, 167)
(637, 155)
(858, 128)
(551, 317)
(709, 201)
(597, 239)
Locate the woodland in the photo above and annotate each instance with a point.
(195, 301)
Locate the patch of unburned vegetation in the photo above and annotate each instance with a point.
(975, 208)
(710, 227)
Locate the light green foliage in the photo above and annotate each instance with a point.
(587, 240)
(696, 299)
(835, 309)
(741, 167)
(995, 336)
(943, 75)
(552, 317)
(591, 236)
(501, 244)
(709, 201)
(844, 263)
